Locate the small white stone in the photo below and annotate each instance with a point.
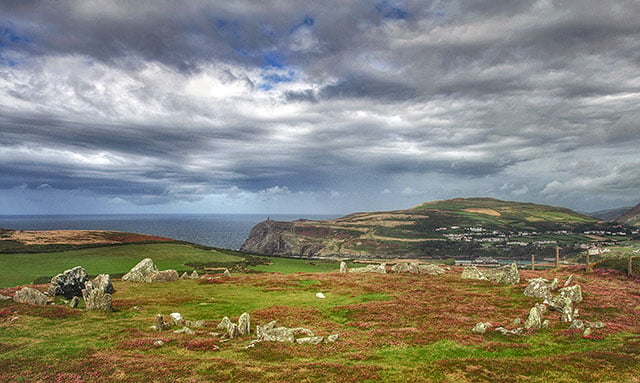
(320, 295)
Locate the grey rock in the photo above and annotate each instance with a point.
(244, 324)
(226, 273)
(577, 323)
(595, 324)
(517, 322)
(310, 340)
(545, 323)
(472, 272)
(160, 324)
(74, 302)
(176, 319)
(534, 321)
(343, 267)
(185, 330)
(567, 311)
(381, 268)
(504, 331)
(481, 327)
(4, 298)
(142, 272)
(430, 269)
(103, 282)
(194, 275)
(333, 338)
(224, 323)
(411, 268)
(568, 281)
(69, 283)
(30, 296)
(158, 343)
(271, 333)
(95, 299)
(572, 292)
(538, 288)
(184, 275)
(554, 284)
(320, 296)
(165, 276)
(587, 331)
(195, 324)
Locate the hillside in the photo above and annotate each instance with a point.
(630, 217)
(451, 228)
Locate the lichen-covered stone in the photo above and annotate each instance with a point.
(472, 272)
(535, 319)
(96, 299)
(310, 340)
(142, 272)
(69, 283)
(572, 292)
(103, 282)
(244, 324)
(430, 269)
(538, 288)
(481, 327)
(176, 319)
(194, 275)
(343, 267)
(30, 296)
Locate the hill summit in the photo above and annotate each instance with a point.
(460, 227)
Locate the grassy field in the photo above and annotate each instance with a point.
(18, 269)
(395, 328)
(291, 265)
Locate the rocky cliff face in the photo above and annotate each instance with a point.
(279, 238)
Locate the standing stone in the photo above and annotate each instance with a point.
(177, 319)
(194, 275)
(511, 275)
(96, 298)
(103, 282)
(244, 324)
(226, 273)
(184, 275)
(430, 269)
(343, 267)
(142, 272)
(164, 276)
(30, 296)
(320, 296)
(69, 283)
(161, 324)
(567, 310)
(568, 281)
(333, 338)
(534, 320)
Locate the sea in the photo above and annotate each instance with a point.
(227, 231)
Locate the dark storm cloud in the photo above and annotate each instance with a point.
(180, 101)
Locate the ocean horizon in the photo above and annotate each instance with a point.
(227, 231)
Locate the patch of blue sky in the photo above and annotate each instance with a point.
(271, 78)
(391, 10)
(274, 59)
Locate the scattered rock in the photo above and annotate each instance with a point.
(381, 268)
(176, 319)
(282, 334)
(185, 330)
(343, 267)
(411, 268)
(75, 301)
(230, 328)
(481, 327)
(4, 298)
(69, 283)
(567, 310)
(310, 340)
(587, 332)
(568, 281)
(158, 343)
(517, 322)
(194, 275)
(195, 323)
(333, 338)
(508, 274)
(538, 288)
(545, 323)
(184, 275)
(534, 321)
(226, 273)
(30, 296)
(573, 292)
(595, 324)
(505, 331)
(320, 296)
(554, 284)
(161, 324)
(577, 323)
(244, 324)
(146, 271)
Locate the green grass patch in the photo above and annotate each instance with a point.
(16, 269)
(292, 265)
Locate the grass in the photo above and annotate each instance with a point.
(392, 328)
(18, 269)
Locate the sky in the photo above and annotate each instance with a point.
(113, 106)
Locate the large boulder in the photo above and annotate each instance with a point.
(430, 269)
(572, 292)
(69, 283)
(472, 272)
(411, 268)
(30, 296)
(146, 271)
(270, 333)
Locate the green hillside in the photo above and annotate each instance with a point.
(452, 228)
